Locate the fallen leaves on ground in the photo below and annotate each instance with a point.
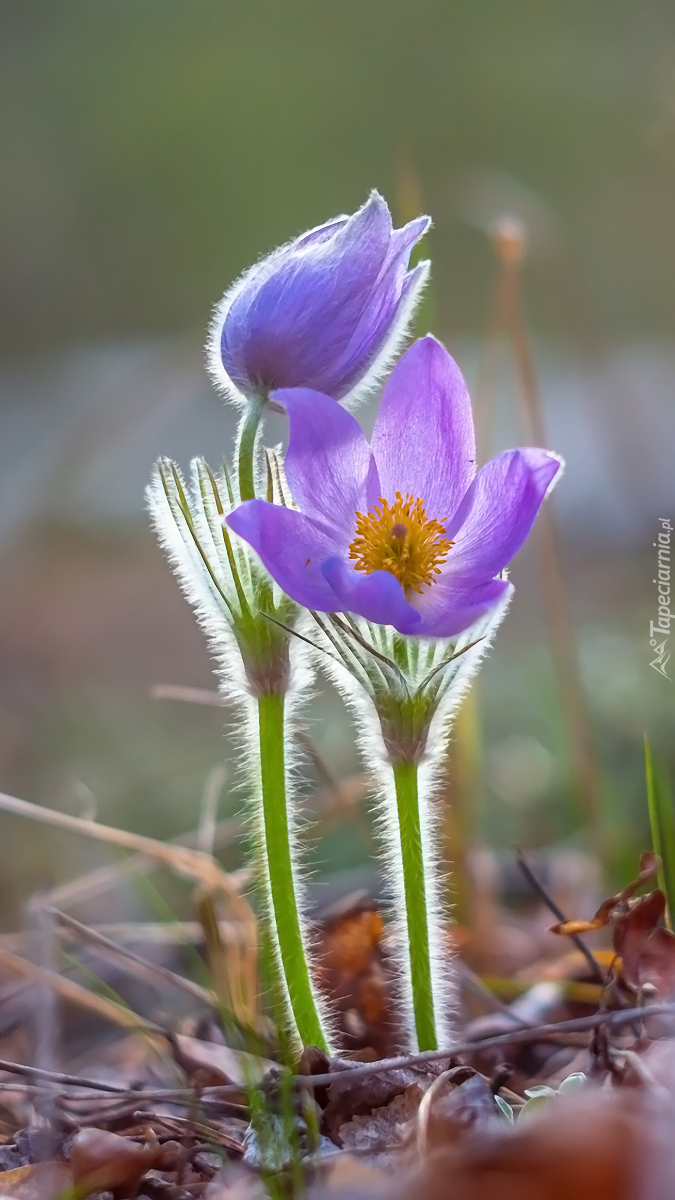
(40, 1181)
(352, 972)
(384, 1128)
(362, 1095)
(453, 1107)
(217, 1064)
(103, 1161)
(646, 949)
(599, 1144)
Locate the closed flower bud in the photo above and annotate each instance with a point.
(326, 311)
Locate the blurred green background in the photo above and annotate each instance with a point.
(152, 149)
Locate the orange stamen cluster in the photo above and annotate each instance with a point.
(400, 539)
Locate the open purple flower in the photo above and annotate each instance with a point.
(326, 311)
(403, 531)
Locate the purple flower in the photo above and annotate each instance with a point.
(327, 311)
(403, 531)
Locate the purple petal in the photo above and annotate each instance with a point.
(498, 512)
(291, 324)
(378, 597)
(327, 460)
(448, 608)
(423, 441)
(320, 311)
(385, 316)
(291, 547)
(320, 233)
(403, 240)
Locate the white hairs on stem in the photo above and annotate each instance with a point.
(188, 523)
(456, 679)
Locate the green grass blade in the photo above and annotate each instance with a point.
(662, 823)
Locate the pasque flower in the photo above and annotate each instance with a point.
(404, 531)
(326, 311)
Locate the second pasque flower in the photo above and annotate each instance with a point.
(327, 311)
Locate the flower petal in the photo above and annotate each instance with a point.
(498, 512)
(327, 460)
(378, 597)
(447, 608)
(320, 233)
(291, 547)
(325, 311)
(386, 324)
(423, 441)
(293, 321)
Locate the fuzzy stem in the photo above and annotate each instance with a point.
(248, 433)
(412, 861)
(279, 865)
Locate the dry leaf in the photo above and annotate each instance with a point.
(218, 1064)
(349, 1177)
(646, 949)
(649, 866)
(582, 1149)
(352, 973)
(449, 1112)
(389, 1126)
(106, 1160)
(41, 1181)
(360, 1095)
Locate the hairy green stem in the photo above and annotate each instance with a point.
(285, 916)
(248, 432)
(417, 919)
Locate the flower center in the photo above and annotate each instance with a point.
(400, 539)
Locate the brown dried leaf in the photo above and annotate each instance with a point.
(582, 1149)
(105, 1160)
(360, 1096)
(218, 1064)
(352, 973)
(646, 950)
(41, 1181)
(449, 1113)
(235, 1182)
(649, 866)
(389, 1126)
(350, 1176)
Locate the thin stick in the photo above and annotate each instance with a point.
(59, 1077)
(153, 971)
(212, 1133)
(181, 859)
(74, 993)
(474, 981)
(538, 1033)
(525, 867)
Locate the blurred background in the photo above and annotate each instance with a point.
(152, 149)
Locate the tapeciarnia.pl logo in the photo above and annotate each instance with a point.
(659, 630)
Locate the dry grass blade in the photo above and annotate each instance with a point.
(150, 971)
(181, 859)
(100, 879)
(64, 1080)
(190, 695)
(75, 994)
(152, 933)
